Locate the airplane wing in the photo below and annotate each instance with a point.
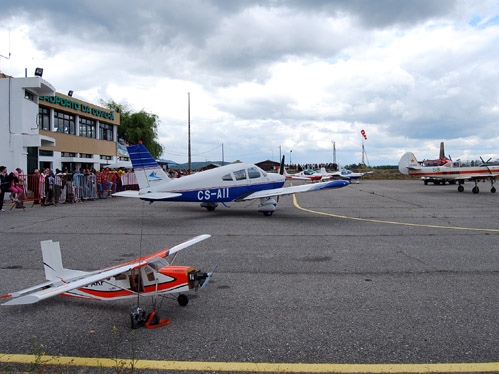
(468, 177)
(49, 289)
(294, 189)
(148, 196)
(178, 247)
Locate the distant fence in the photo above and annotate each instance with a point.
(72, 188)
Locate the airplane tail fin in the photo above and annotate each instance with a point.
(146, 169)
(408, 162)
(442, 151)
(52, 262)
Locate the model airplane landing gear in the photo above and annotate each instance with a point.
(182, 300)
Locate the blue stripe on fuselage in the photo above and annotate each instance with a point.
(221, 194)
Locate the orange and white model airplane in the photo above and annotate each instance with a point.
(457, 171)
(150, 275)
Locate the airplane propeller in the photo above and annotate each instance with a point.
(209, 276)
(281, 168)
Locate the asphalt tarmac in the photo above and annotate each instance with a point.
(381, 272)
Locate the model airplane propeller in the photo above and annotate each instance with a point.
(234, 182)
(151, 275)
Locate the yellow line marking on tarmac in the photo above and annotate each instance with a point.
(295, 202)
(261, 367)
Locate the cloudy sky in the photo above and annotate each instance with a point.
(271, 77)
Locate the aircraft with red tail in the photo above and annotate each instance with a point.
(456, 171)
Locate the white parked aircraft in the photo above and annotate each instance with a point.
(348, 174)
(452, 171)
(234, 182)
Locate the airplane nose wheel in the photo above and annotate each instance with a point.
(493, 190)
(460, 188)
(475, 189)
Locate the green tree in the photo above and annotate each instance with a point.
(137, 126)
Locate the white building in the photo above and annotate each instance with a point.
(41, 128)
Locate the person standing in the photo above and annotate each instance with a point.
(4, 186)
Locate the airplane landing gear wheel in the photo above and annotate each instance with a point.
(182, 300)
(267, 214)
(493, 190)
(475, 189)
(460, 188)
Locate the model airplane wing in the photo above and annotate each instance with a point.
(49, 289)
(294, 189)
(149, 196)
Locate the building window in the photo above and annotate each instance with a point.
(42, 152)
(29, 95)
(106, 131)
(64, 123)
(86, 155)
(68, 154)
(44, 118)
(87, 127)
(102, 157)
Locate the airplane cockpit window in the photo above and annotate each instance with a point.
(253, 173)
(240, 174)
(308, 172)
(157, 263)
(227, 177)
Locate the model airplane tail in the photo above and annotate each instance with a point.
(146, 169)
(52, 262)
(408, 162)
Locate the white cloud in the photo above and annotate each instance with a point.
(280, 76)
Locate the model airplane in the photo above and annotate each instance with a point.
(451, 171)
(150, 275)
(234, 182)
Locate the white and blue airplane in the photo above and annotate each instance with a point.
(234, 182)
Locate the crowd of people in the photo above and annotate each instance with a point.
(49, 187)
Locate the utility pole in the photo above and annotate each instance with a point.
(189, 165)
(334, 152)
(223, 161)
